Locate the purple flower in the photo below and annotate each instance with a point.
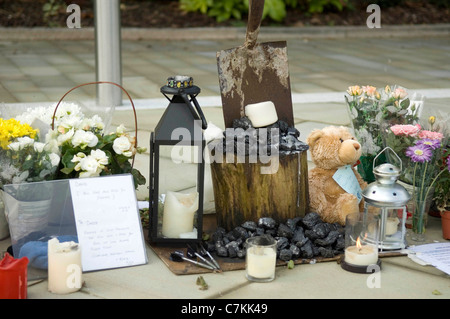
(419, 153)
(433, 144)
(448, 163)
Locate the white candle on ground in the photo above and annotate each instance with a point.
(178, 216)
(361, 255)
(261, 262)
(64, 267)
(261, 114)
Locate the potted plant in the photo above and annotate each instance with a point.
(441, 200)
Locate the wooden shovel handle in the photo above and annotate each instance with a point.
(255, 11)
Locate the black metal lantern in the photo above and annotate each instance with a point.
(177, 167)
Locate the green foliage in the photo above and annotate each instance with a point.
(52, 8)
(222, 10)
(276, 10)
(318, 6)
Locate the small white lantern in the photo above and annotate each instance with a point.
(390, 199)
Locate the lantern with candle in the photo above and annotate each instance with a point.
(177, 166)
(390, 199)
(361, 254)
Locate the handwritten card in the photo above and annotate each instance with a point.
(108, 222)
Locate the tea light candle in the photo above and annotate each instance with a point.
(178, 216)
(261, 114)
(361, 255)
(13, 277)
(64, 267)
(261, 262)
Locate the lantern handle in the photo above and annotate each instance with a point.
(197, 107)
(386, 148)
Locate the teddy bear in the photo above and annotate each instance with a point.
(335, 186)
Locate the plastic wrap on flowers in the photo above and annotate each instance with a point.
(371, 111)
(86, 149)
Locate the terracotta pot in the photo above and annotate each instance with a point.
(445, 219)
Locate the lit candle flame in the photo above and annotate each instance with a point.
(358, 244)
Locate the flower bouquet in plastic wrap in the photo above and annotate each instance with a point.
(371, 110)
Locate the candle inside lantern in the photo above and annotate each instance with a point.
(261, 114)
(178, 216)
(361, 255)
(13, 277)
(391, 226)
(64, 267)
(261, 258)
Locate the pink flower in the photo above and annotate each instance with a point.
(369, 90)
(399, 93)
(431, 135)
(408, 129)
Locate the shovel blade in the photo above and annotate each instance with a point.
(252, 76)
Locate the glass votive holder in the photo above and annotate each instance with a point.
(261, 258)
(361, 243)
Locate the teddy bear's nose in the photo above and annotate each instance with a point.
(356, 146)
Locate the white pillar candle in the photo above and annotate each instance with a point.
(64, 267)
(178, 216)
(261, 114)
(391, 226)
(361, 255)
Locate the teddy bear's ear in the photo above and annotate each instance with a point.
(313, 137)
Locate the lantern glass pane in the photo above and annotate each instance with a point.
(177, 191)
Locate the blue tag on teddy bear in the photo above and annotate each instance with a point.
(346, 178)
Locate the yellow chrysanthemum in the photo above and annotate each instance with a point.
(11, 129)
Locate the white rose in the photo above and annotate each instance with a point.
(121, 129)
(65, 137)
(39, 147)
(90, 167)
(100, 157)
(25, 141)
(54, 159)
(122, 145)
(83, 139)
(14, 146)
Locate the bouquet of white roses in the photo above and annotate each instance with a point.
(86, 151)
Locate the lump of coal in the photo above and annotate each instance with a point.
(307, 250)
(329, 240)
(284, 231)
(299, 238)
(241, 253)
(282, 242)
(311, 219)
(222, 251)
(243, 122)
(293, 222)
(327, 253)
(240, 232)
(267, 222)
(285, 254)
(249, 225)
(295, 251)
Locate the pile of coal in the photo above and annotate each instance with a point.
(245, 140)
(305, 238)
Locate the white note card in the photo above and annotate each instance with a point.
(108, 222)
